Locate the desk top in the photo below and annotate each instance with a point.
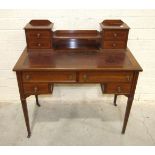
(52, 60)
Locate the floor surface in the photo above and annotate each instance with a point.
(77, 115)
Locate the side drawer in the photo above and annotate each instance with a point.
(36, 88)
(117, 88)
(38, 44)
(49, 76)
(114, 44)
(38, 34)
(115, 34)
(105, 77)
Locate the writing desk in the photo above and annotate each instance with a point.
(115, 69)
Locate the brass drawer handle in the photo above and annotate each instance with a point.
(38, 35)
(114, 45)
(128, 78)
(119, 89)
(85, 77)
(70, 77)
(39, 44)
(35, 89)
(27, 77)
(115, 35)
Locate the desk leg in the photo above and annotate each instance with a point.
(115, 99)
(25, 111)
(37, 101)
(127, 113)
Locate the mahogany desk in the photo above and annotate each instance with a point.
(115, 69)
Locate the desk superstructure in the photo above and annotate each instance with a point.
(76, 56)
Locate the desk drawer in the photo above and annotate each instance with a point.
(36, 88)
(105, 77)
(114, 44)
(49, 76)
(37, 44)
(118, 88)
(115, 34)
(38, 34)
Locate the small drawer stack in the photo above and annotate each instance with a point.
(114, 34)
(39, 34)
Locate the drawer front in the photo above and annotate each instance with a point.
(115, 34)
(118, 88)
(49, 77)
(105, 77)
(38, 34)
(38, 44)
(36, 88)
(114, 44)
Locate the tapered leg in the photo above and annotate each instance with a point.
(37, 101)
(102, 88)
(127, 112)
(25, 111)
(115, 99)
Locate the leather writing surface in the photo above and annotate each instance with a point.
(79, 60)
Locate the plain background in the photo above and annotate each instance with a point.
(119, 4)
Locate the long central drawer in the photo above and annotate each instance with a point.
(105, 76)
(58, 76)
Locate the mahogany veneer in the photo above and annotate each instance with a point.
(77, 56)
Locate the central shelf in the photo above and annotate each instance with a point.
(76, 34)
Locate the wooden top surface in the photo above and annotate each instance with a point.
(120, 60)
(123, 26)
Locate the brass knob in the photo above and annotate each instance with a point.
(38, 35)
(35, 89)
(39, 44)
(128, 78)
(85, 77)
(27, 77)
(119, 89)
(70, 77)
(114, 45)
(115, 34)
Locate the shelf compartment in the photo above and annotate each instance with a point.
(76, 34)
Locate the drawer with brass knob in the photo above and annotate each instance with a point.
(40, 34)
(105, 77)
(58, 76)
(37, 44)
(115, 34)
(118, 88)
(37, 88)
(114, 44)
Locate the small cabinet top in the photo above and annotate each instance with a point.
(39, 24)
(114, 24)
